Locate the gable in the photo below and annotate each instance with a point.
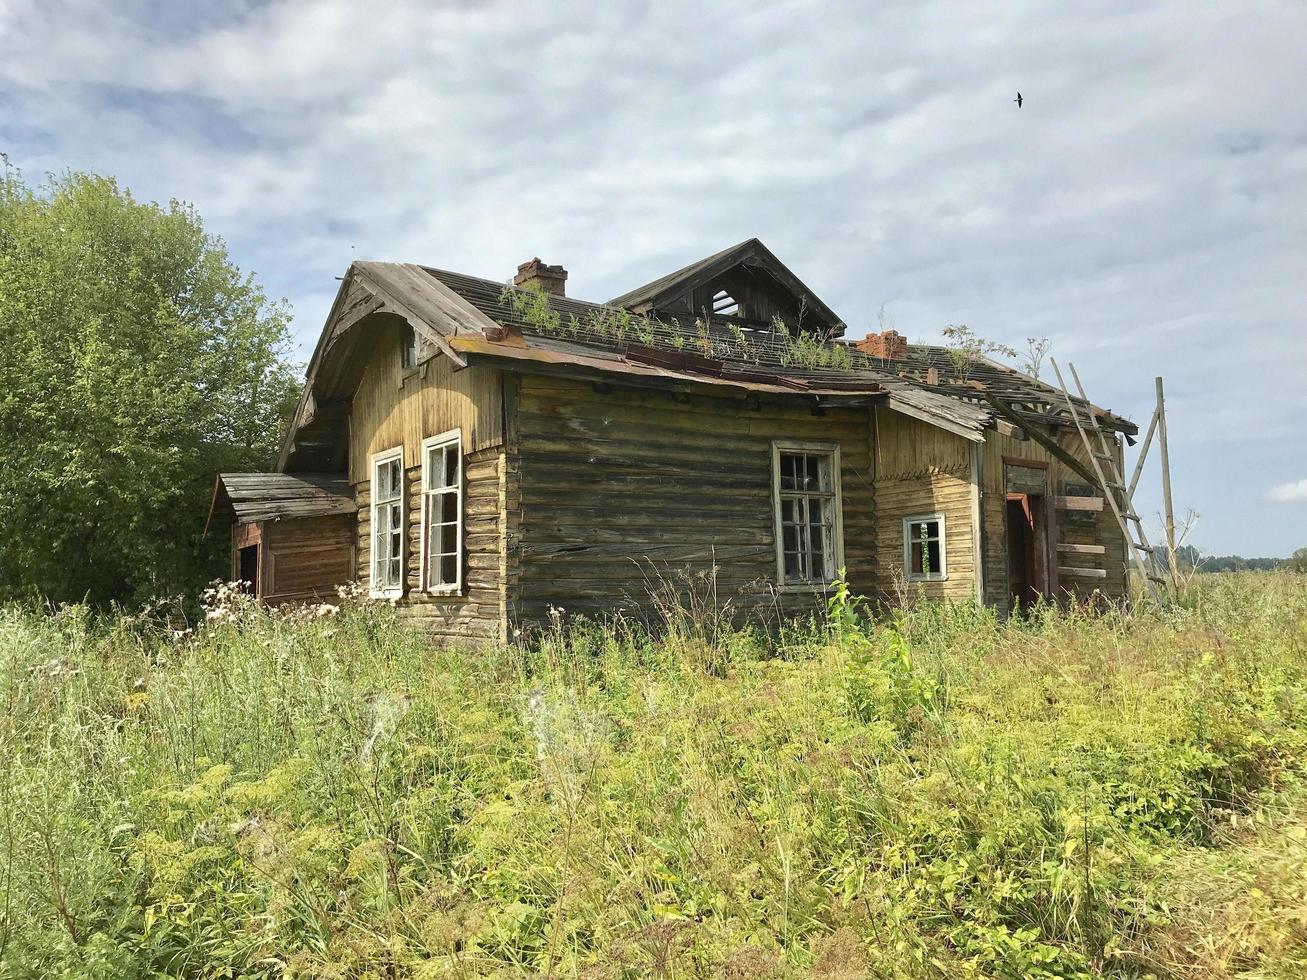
(745, 284)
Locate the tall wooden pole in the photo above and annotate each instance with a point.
(1166, 484)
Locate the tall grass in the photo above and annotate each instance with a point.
(1074, 794)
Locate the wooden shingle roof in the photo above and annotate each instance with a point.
(254, 497)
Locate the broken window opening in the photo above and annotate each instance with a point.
(807, 502)
(924, 557)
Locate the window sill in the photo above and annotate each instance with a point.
(925, 578)
(388, 594)
(801, 587)
(452, 592)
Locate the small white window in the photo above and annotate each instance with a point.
(408, 350)
(388, 523)
(806, 499)
(924, 557)
(442, 513)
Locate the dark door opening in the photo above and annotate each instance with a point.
(1027, 561)
(249, 569)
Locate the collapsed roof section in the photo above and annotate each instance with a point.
(745, 283)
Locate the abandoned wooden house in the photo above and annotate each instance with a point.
(480, 453)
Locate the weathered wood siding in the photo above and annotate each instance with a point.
(921, 469)
(1000, 475)
(477, 614)
(620, 492)
(307, 557)
(389, 410)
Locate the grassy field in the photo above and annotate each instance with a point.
(942, 795)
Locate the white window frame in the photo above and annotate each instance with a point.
(909, 541)
(454, 437)
(835, 555)
(374, 462)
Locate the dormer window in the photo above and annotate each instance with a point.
(723, 304)
(408, 350)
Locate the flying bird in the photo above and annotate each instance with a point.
(1018, 100)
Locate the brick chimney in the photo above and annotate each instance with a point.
(888, 345)
(551, 278)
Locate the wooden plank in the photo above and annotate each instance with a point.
(1081, 549)
(1079, 503)
(1034, 464)
(1044, 440)
(1066, 571)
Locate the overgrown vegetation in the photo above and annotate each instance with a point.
(138, 361)
(327, 795)
(617, 326)
(966, 349)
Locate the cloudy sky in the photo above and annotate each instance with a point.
(1146, 209)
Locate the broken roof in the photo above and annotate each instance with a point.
(751, 255)
(472, 319)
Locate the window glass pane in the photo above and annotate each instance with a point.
(812, 473)
(792, 566)
(788, 481)
(448, 570)
(789, 537)
(447, 507)
(932, 552)
(451, 467)
(915, 558)
(789, 510)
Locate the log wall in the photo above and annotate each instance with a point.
(620, 493)
(391, 409)
(477, 614)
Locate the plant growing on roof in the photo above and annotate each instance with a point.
(530, 304)
(1036, 350)
(966, 349)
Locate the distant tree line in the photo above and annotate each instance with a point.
(1189, 557)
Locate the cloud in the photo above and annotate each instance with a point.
(1146, 209)
(1288, 493)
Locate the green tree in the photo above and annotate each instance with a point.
(1298, 560)
(137, 362)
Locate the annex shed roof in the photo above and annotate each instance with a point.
(255, 497)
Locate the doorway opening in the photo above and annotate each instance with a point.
(249, 569)
(1027, 550)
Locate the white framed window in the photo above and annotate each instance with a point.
(442, 513)
(808, 513)
(924, 557)
(387, 579)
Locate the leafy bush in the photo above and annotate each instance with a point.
(139, 361)
(326, 794)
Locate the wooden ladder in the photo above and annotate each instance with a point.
(1111, 482)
